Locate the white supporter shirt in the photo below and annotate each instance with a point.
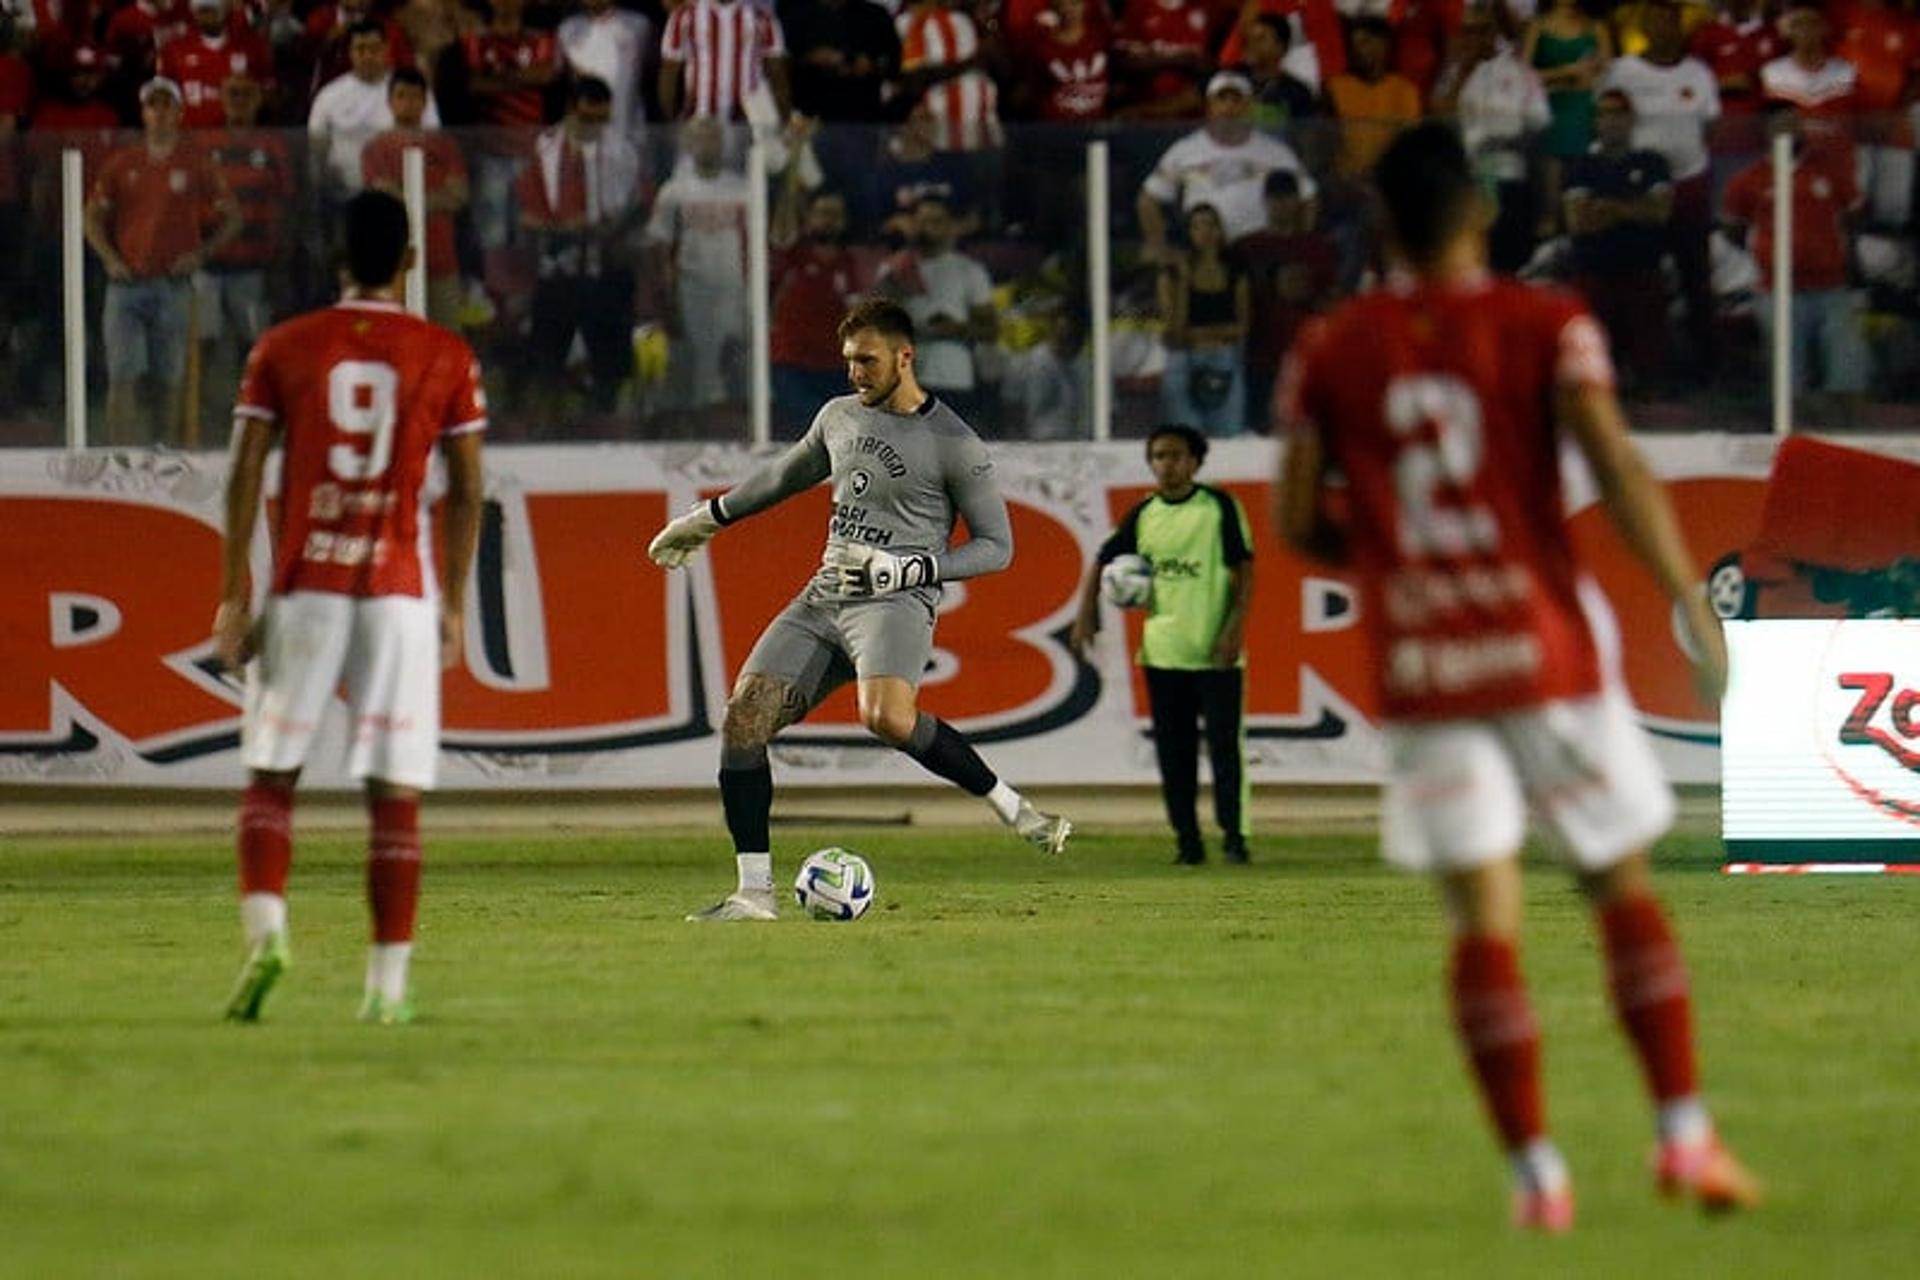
(1829, 85)
(1672, 107)
(1501, 103)
(952, 286)
(611, 46)
(347, 113)
(705, 218)
(1198, 169)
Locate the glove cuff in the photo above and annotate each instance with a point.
(929, 569)
(718, 512)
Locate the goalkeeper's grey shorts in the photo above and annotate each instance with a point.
(816, 644)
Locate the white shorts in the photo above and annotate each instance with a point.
(1458, 791)
(384, 651)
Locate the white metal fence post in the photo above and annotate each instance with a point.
(1100, 289)
(73, 291)
(759, 305)
(1782, 284)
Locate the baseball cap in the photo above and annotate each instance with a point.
(1230, 82)
(160, 84)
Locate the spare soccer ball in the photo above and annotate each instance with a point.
(1126, 582)
(834, 884)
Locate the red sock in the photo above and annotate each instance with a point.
(1495, 1022)
(393, 867)
(265, 838)
(1649, 984)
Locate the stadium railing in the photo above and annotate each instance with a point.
(667, 336)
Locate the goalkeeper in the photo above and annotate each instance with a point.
(902, 465)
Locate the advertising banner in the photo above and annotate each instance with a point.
(1822, 754)
(587, 666)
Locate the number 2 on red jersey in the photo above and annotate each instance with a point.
(1436, 419)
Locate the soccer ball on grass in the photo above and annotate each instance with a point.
(1126, 582)
(834, 884)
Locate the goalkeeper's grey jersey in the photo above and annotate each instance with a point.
(899, 480)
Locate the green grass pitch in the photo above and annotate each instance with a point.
(1101, 1066)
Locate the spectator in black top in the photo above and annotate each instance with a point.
(1618, 202)
(842, 54)
(1207, 304)
(1279, 98)
(909, 171)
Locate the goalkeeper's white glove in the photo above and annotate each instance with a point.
(865, 571)
(685, 534)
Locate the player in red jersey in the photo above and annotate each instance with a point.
(1441, 400)
(357, 395)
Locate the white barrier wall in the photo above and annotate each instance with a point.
(586, 666)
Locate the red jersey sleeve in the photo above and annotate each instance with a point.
(259, 394)
(380, 163)
(1296, 392)
(450, 156)
(467, 404)
(1742, 198)
(1846, 188)
(1580, 356)
(112, 175)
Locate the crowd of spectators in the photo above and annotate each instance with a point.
(588, 199)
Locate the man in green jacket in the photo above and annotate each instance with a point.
(1197, 540)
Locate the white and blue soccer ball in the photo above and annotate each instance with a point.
(1126, 582)
(834, 884)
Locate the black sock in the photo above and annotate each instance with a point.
(746, 793)
(939, 747)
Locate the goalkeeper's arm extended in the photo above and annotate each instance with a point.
(799, 468)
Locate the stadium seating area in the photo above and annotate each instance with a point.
(595, 247)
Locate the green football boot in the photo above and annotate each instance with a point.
(269, 959)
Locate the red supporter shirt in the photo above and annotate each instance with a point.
(200, 66)
(1882, 45)
(1319, 22)
(361, 392)
(1823, 194)
(381, 166)
(1067, 82)
(1436, 404)
(489, 53)
(134, 36)
(259, 173)
(1731, 49)
(1421, 32)
(810, 282)
(91, 127)
(1163, 28)
(16, 96)
(155, 204)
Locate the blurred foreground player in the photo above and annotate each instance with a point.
(903, 466)
(1440, 400)
(357, 395)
